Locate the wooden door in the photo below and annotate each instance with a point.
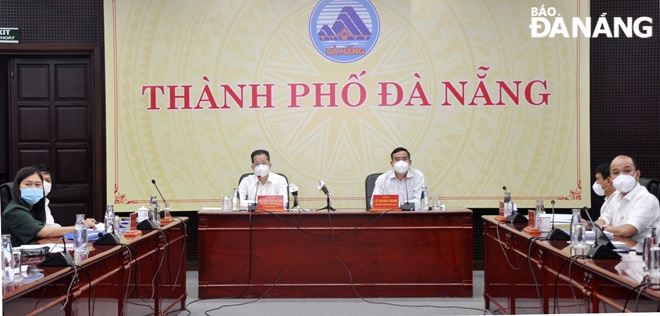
(50, 114)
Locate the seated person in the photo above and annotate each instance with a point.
(25, 216)
(399, 178)
(633, 207)
(262, 182)
(603, 187)
(47, 175)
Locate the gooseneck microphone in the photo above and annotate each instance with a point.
(407, 206)
(556, 233)
(294, 191)
(161, 194)
(58, 259)
(253, 206)
(553, 213)
(602, 247)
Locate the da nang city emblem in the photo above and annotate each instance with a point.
(344, 31)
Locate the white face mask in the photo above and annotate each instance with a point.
(624, 183)
(261, 170)
(47, 187)
(598, 189)
(401, 167)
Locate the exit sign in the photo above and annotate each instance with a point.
(8, 35)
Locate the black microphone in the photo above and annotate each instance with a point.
(556, 233)
(57, 259)
(553, 213)
(294, 191)
(161, 194)
(407, 206)
(253, 206)
(602, 247)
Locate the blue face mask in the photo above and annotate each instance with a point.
(32, 195)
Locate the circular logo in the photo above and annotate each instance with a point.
(344, 31)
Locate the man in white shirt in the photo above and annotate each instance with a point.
(262, 182)
(47, 174)
(400, 179)
(633, 208)
(603, 187)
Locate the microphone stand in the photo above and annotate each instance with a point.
(328, 205)
(253, 206)
(602, 247)
(406, 206)
(556, 233)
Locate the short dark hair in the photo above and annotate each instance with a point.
(259, 152)
(604, 170)
(38, 210)
(42, 168)
(399, 149)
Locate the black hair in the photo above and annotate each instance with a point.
(399, 149)
(604, 170)
(39, 209)
(259, 152)
(42, 168)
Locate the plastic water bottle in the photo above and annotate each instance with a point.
(425, 199)
(80, 235)
(154, 212)
(540, 210)
(649, 242)
(109, 219)
(7, 260)
(508, 205)
(575, 219)
(235, 200)
(226, 207)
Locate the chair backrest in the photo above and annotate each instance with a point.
(369, 184)
(285, 178)
(5, 194)
(653, 185)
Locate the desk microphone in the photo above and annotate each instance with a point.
(253, 206)
(57, 259)
(406, 206)
(556, 233)
(294, 191)
(602, 247)
(161, 194)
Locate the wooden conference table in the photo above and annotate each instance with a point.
(336, 254)
(518, 265)
(147, 276)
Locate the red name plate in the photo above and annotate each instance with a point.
(133, 221)
(271, 203)
(384, 202)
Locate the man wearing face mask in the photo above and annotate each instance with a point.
(603, 187)
(632, 208)
(47, 174)
(400, 179)
(262, 182)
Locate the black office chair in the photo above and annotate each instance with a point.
(5, 194)
(653, 185)
(369, 184)
(287, 186)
